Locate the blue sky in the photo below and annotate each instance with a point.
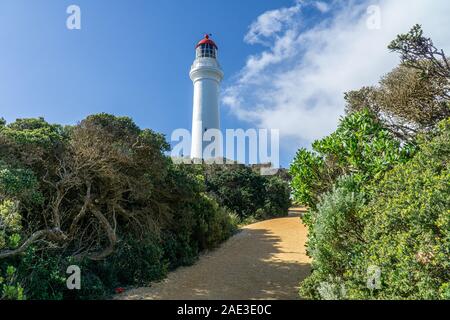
(130, 57)
(133, 57)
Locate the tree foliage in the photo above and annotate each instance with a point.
(101, 194)
(379, 187)
(399, 224)
(407, 228)
(414, 97)
(360, 146)
(405, 102)
(110, 162)
(419, 52)
(244, 191)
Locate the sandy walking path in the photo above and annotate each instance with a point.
(266, 260)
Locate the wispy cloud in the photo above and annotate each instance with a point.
(296, 83)
(322, 6)
(270, 23)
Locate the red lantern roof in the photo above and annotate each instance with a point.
(206, 40)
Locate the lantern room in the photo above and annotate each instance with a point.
(206, 48)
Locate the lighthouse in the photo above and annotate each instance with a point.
(206, 75)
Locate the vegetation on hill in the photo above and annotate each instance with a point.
(103, 195)
(245, 192)
(379, 186)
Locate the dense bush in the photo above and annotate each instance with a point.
(407, 226)
(202, 225)
(10, 288)
(379, 223)
(360, 146)
(405, 101)
(401, 225)
(415, 96)
(136, 262)
(246, 192)
(277, 194)
(335, 237)
(333, 182)
(43, 273)
(101, 195)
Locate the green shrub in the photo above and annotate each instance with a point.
(43, 274)
(214, 224)
(360, 146)
(10, 289)
(379, 225)
(10, 224)
(245, 192)
(408, 225)
(136, 262)
(237, 188)
(92, 287)
(277, 195)
(101, 195)
(202, 225)
(399, 224)
(308, 173)
(335, 236)
(333, 181)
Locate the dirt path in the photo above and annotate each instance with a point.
(266, 260)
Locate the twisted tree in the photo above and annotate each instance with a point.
(415, 96)
(95, 181)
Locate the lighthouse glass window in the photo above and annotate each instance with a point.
(206, 51)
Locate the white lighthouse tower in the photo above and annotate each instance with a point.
(206, 76)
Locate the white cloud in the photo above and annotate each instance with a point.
(270, 23)
(322, 6)
(297, 83)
